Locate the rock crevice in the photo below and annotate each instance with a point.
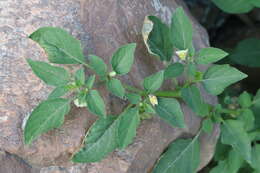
(102, 26)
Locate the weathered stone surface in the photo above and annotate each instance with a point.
(102, 26)
(13, 164)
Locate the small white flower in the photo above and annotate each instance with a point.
(112, 74)
(182, 54)
(80, 105)
(153, 100)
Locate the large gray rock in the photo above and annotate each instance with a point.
(102, 26)
(13, 164)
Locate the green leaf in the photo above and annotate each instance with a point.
(256, 108)
(60, 46)
(192, 70)
(173, 70)
(90, 81)
(129, 121)
(157, 38)
(256, 3)
(234, 134)
(116, 87)
(218, 77)
(58, 92)
(170, 111)
(192, 97)
(246, 169)
(133, 98)
(51, 75)
(47, 115)
(247, 53)
(82, 97)
(233, 6)
(149, 109)
(191, 51)
(256, 157)
(230, 165)
(248, 119)
(99, 142)
(80, 101)
(256, 100)
(245, 100)
(255, 171)
(123, 59)
(207, 125)
(80, 77)
(210, 55)
(98, 65)
(198, 76)
(254, 135)
(153, 83)
(181, 30)
(96, 104)
(182, 156)
(216, 115)
(221, 151)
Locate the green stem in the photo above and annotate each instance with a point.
(176, 93)
(173, 93)
(85, 64)
(128, 106)
(229, 111)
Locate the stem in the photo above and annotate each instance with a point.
(174, 93)
(85, 64)
(230, 112)
(128, 106)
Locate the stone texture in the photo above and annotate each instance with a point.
(102, 26)
(13, 164)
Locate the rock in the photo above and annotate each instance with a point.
(14, 164)
(102, 26)
(207, 144)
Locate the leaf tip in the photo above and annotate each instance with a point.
(75, 159)
(29, 61)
